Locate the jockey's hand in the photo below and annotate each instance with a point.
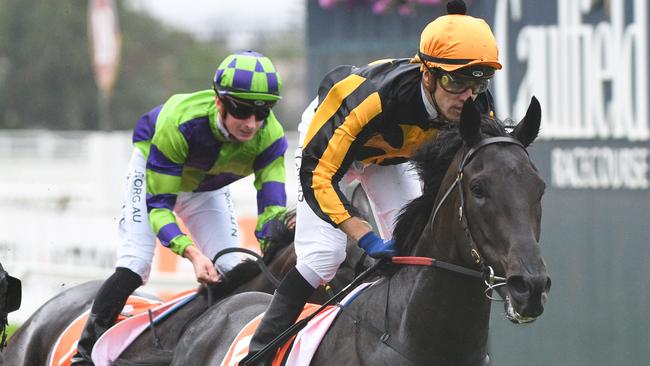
(376, 247)
(203, 267)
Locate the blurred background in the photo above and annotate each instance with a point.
(76, 75)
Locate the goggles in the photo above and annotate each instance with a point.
(456, 84)
(242, 110)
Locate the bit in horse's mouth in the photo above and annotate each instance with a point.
(513, 315)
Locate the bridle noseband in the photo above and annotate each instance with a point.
(486, 272)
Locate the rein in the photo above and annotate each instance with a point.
(432, 262)
(258, 260)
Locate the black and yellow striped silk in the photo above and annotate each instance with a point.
(373, 114)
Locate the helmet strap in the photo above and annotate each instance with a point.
(434, 78)
(433, 96)
(222, 114)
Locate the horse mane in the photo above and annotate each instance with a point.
(281, 236)
(431, 162)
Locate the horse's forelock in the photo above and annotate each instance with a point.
(431, 162)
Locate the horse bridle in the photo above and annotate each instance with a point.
(486, 272)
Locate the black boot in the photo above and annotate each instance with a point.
(95, 327)
(109, 301)
(288, 301)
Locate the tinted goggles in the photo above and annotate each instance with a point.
(457, 84)
(243, 110)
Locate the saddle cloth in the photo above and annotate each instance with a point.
(299, 350)
(133, 320)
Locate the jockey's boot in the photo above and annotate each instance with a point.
(285, 307)
(108, 304)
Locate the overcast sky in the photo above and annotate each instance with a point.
(204, 17)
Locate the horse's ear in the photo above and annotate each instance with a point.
(528, 128)
(14, 294)
(470, 123)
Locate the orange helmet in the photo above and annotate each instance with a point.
(456, 40)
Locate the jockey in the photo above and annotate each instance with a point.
(186, 153)
(365, 124)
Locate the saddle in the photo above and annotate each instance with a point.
(132, 321)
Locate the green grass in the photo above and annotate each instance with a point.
(11, 329)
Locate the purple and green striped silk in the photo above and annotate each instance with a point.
(186, 152)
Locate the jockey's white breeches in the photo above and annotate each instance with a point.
(208, 216)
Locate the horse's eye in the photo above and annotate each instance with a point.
(477, 190)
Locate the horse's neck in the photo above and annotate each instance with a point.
(445, 317)
(445, 310)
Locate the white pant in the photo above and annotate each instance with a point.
(320, 248)
(209, 217)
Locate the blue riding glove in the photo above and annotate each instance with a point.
(376, 247)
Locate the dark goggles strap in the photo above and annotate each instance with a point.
(449, 61)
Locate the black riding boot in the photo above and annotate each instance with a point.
(288, 301)
(109, 301)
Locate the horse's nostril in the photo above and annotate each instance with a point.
(517, 285)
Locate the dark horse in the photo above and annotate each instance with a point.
(479, 215)
(10, 297)
(32, 342)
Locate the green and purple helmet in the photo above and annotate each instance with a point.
(248, 75)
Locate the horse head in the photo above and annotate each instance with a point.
(487, 207)
(501, 192)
